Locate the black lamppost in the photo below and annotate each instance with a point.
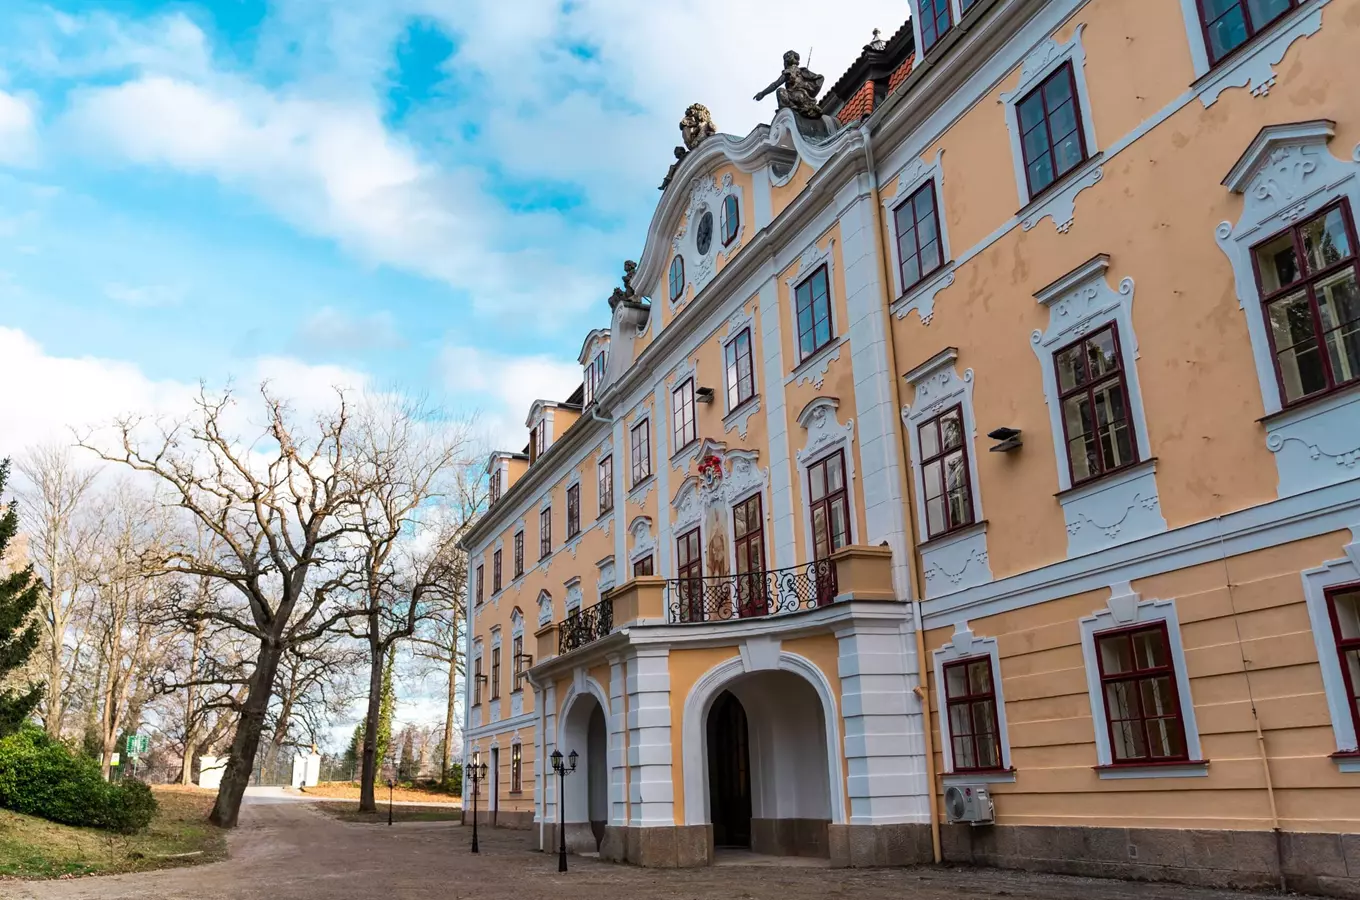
(477, 772)
(562, 772)
(391, 784)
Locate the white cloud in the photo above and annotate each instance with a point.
(148, 296)
(332, 330)
(18, 130)
(510, 385)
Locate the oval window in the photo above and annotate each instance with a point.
(677, 277)
(731, 219)
(703, 239)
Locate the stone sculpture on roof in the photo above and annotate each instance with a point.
(627, 293)
(797, 88)
(695, 128)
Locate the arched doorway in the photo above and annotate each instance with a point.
(729, 773)
(586, 791)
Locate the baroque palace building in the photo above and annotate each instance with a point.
(970, 470)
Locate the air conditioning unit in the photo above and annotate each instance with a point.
(970, 804)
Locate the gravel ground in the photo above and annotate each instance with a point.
(289, 851)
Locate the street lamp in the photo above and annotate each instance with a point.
(391, 784)
(562, 772)
(477, 772)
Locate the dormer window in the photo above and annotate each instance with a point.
(496, 485)
(731, 219)
(677, 278)
(595, 376)
(936, 20)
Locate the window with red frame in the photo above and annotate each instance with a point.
(1228, 24)
(573, 511)
(944, 473)
(1142, 705)
(606, 487)
(1345, 607)
(545, 533)
(830, 501)
(748, 538)
(1051, 136)
(644, 566)
(477, 681)
(686, 427)
(970, 700)
(689, 571)
(641, 447)
(480, 579)
(517, 661)
(741, 379)
(519, 553)
(1307, 276)
(516, 768)
(935, 21)
(495, 673)
(495, 485)
(1095, 406)
(496, 572)
(813, 304)
(919, 251)
(595, 376)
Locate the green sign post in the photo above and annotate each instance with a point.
(137, 745)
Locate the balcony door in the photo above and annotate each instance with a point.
(748, 531)
(829, 498)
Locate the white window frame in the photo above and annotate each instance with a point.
(1316, 583)
(965, 645)
(1058, 201)
(1253, 64)
(955, 10)
(1126, 608)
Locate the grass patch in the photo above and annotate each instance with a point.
(346, 813)
(349, 790)
(179, 835)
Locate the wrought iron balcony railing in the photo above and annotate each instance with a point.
(752, 595)
(585, 626)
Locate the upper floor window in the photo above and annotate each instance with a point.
(519, 553)
(496, 572)
(918, 237)
(689, 569)
(686, 428)
(813, 302)
(741, 379)
(677, 285)
(936, 21)
(641, 448)
(731, 219)
(1344, 605)
(595, 376)
(830, 500)
(495, 673)
(1308, 280)
(495, 484)
(1142, 707)
(480, 573)
(970, 701)
(573, 511)
(645, 566)
(1228, 24)
(1051, 135)
(606, 488)
(477, 679)
(538, 441)
(944, 473)
(1095, 406)
(517, 661)
(545, 533)
(516, 768)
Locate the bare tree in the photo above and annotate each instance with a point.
(274, 508)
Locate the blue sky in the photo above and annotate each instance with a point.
(430, 194)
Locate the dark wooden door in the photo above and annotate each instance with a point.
(729, 773)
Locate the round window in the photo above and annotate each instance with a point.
(703, 239)
(677, 277)
(731, 219)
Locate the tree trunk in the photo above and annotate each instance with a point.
(236, 778)
(369, 769)
(447, 759)
(186, 769)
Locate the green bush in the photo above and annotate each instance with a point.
(40, 777)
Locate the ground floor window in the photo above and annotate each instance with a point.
(974, 732)
(1142, 708)
(516, 768)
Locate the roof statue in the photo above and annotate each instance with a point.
(627, 293)
(695, 127)
(796, 88)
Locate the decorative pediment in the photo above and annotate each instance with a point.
(824, 430)
(545, 608)
(536, 412)
(596, 341)
(516, 621)
(643, 541)
(574, 594)
(607, 578)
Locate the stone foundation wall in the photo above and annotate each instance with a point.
(790, 837)
(1327, 864)
(861, 846)
(517, 821)
(656, 848)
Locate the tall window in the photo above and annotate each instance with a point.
(830, 505)
(519, 553)
(1051, 137)
(741, 378)
(517, 661)
(495, 673)
(644, 566)
(748, 538)
(1308, 281)
(545, 533)
(1228, 24)
(641, 448)
(496, 572)
(496, 484)
(1345, 608)
(677, 278)
(477, 680)
(918, 237)
(813, 302)
(516, 768)
(944, 473)
(573, 511)
(480, 580)
(690, 572)
(606, 472)
(595, 376)
(1141, 704)
(731, 219)
(686, 429)
(935, 21)
(1095, 406)
(970, 699)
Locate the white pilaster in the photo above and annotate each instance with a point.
(650, 785)
(618, 762)
(776, 421)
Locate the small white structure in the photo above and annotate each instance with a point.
(210, 769)
(306, 770)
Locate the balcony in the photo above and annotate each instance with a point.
(585, 626)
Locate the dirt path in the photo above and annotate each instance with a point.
(289, 851)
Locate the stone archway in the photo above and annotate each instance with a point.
(585, 729)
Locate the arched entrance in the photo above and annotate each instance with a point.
(586, 791)
(729, 773)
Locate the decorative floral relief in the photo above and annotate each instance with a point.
(934, 570)
(545, 608)
(574, 595)
(1080, 520)
(607, 578)
(643, 541)
(1254, 67)
(741, 418)
(921, 298)
(813, 370)
(1062, 206)
(639, 493)
(819, 418)
(1346, 458)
